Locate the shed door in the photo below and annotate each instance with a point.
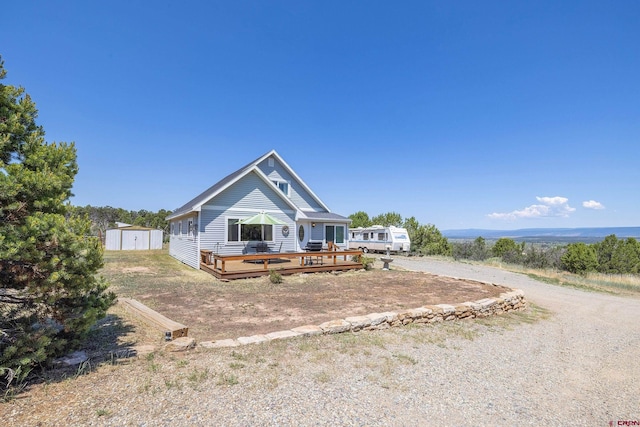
(135, 240)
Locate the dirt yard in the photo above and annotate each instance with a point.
(213, 309)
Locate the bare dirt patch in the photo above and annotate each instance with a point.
(214, 309)
(256, 306)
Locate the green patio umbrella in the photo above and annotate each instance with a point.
(262, 218)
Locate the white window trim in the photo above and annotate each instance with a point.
(277, 183)
(190, 227)
(242, 242)
(344, 233)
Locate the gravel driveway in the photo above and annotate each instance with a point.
(579, 367)
(576, 367)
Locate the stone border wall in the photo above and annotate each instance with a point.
(507, 301)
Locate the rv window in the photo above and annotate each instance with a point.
(381, 236)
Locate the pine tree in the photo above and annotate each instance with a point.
(50, 294)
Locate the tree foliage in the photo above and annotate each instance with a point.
(617, 256)
(505, 247)
(49, 292)
(105, 217)
(360, 219)
(580, 258)
(387, 219)
(476, 250)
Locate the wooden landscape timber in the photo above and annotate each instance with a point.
(169, 327)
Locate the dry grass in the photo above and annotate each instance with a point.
(617, 284)
(215, 309)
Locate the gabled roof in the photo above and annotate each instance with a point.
(196, 203)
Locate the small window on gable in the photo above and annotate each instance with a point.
(283, 186)
(271, 162)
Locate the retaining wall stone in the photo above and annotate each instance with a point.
(511, 300)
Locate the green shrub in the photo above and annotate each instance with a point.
(275, 277)
(367, 262)
(51, 294)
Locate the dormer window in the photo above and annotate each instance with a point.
(283, 186)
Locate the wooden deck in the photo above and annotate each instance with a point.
(255, 265)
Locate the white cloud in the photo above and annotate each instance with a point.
(548, 207)
(592, 204)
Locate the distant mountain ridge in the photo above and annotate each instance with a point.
(588, 233)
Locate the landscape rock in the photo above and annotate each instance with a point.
(180, 344)
(253, 339)
(75, 358)
(335, 326)
(308, 330)
(220, 343)
(282, 334)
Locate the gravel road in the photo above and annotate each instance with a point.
(576, 367)
(579, 367)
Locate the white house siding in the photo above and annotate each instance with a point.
(246, 198)
(183, 246)
(297, 193)
(317, 232)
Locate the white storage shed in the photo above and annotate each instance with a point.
(131, 238)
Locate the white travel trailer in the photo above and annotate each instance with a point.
(377, 238)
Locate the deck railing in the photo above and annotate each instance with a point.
(304, 258)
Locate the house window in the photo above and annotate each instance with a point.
(233, 230)
(283, 186)
(179, 228)
(191, 228)
(173, 228)
(334, 233)
(248, 232)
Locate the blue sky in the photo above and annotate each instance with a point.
(498, 115)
